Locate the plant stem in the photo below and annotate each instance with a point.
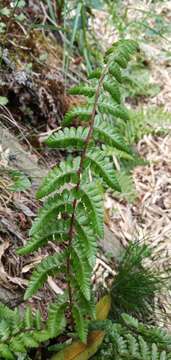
(79, 172)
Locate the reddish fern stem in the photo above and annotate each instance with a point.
(79, 172)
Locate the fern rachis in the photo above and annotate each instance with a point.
(74, 216)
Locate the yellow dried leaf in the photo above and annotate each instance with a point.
(80, 351)
(103, 307)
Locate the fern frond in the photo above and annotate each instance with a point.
(66, 172)
(144, 348)
(88, 91)
(80, 323)
(56, 316)
(93, 201)
(17, 345)
(85, 238)
(50, 265)
(120, 154)
(76, 216)
(133, 346)
(122, 51)
(95, 74)
(28, 319)
(121, 345)
(79, 112)
(53, 206)
(88, 307)
(105, 133)
(5, 312)
(4, 330)
(113, 89)
(37, 319)
(101, 165)
(68, 137)
(82, 271)
(115, 110)
(54, 231)
(6, 353)
(115, 71)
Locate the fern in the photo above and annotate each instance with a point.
(49, 266)
(107, 135)
(68, 137)
(56, 317)
(20, 332)
(153, 120)
(83, 90)
(81, 324)
(73, 209)
(133, 340)
(104, 168)
(115, 110)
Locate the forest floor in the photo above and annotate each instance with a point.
(36, 103)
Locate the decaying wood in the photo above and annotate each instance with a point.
(21, 159)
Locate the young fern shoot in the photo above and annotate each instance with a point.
(72, 214)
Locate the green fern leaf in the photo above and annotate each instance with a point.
(37, 319)
(144, 348)
(163, 356)
(128, 46)
(82, 271)
(121, 345)
(85, 238)
(53, 206)
(42, 335)
(66, 172)
(121, 61)
(81, 113)
(56, 317)
(53, 231)
(101, 165)
(4, 330)
(82, 90)
(93, 201)
(16, 321)
(154, 354)
(6, 353)
(28, 318)
(115, 71)
(50, 265)
(120, 154)
(81, 324)
(130, 321)
(87, 306)
(68, 137)
(123, 48)
(115, 110)
(5, 312)
(113, 89)
(106, 133)
(132, 345)
(17, 346)
(28, 340)
(95, 74)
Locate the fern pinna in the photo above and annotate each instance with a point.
(73, 210)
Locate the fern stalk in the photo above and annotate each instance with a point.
(79, 172)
